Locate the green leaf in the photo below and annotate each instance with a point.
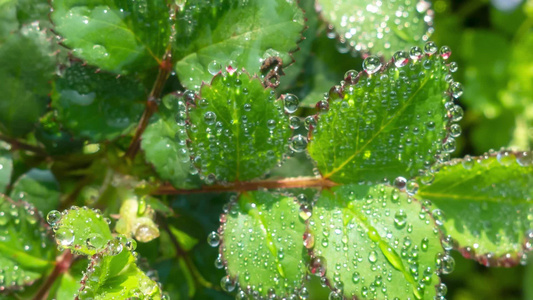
(112, 275)
(6, 169)
(165, 144)
(26, 250)
(27, 68)
(239, 130)
(117, 36)
(374, 242)
(262, 244)
(386, 124)
(484, 203)
(38, 187)
(68, 283)
(214, 34)
(82, 230)
(98, 106)
(378, 27)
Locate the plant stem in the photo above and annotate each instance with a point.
(299, 182)
(62, 265)
(16, 145)
(151, 104)
(180, 252)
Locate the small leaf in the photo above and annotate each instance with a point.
(6, 169)
(27, 69)
(112, 275)
(239, 130)
(378, 27)
(97, 106)
(262, 245)
(165, 144)
(374, 242)
(82, 230)
(214, 34)
(483, 204)
(388, 123)
(26, 250)
(117, 36)
(39, 188)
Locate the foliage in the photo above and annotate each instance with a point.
(131, 130)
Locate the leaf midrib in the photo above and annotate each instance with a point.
(398, 113)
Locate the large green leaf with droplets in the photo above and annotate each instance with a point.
(211, 35)
(262, 246)
(6, 169)
(380, 27)
(98, 106)
(485, 205)
(387, 124)
(27, 69)
(165, 143)
(374, 242)
(119, 36)
(82, 230)
(26, 250)
(238, 130)
(39, 188)
(112, 275)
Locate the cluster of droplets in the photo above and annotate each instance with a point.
(363, 259)
(232, 129)
(30, 238)
(258, 250)
(373, 25)
(374, 100)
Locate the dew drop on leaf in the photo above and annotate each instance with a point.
(298, 143)
(65, 236)
(415, 53)
(291, 103)
(53, 217)
(372, 64)
(456, 89)
(295, 122)
(430, 48)
(214, 67)
(213, 239)
(401, 59)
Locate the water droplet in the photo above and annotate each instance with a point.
(295, 122)
(453, 67)
(310, 122)
(309, 240)
(53, 217)
(305, 212)
(214, 67)
(449, 145)
(447, 264)
(400, 182)
(227, 284)
(356, 277)
(430, 48)
(213, 239)
(445, 52)
(334, 295)
(210, 118)
(401, 58)
(504, 157)
(373, 256)
(468, 162)
(412, 187)
(456, 89)
(247, 107)
(372, 64)
(415, 53)
(318, 266)
(291, 103)
(271, 124)
(441, 289)
(131, 244)
(439, 217)
(350, 75)
(95, 241)
(400, 219)
(455, 130)
(524, 158)
(65, 236)
(298, 143)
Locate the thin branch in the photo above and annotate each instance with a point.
(62, 265)
(180, 252)
(151, 104)
(16, 145)
(300, 182)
